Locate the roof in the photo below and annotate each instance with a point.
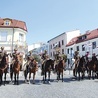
(72, 41)
(61, 34)
(14, 24)
(56, 37)
(90, 35)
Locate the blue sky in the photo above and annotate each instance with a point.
(46, 19)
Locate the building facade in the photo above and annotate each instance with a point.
(85, 44)
(38, 48)
(13, 35)
(61, 41)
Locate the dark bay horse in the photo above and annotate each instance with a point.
(80, 67)
(47, 66)
(60, 69)
(3, 68)
(96, 69)
(15, 70)
(92, 68)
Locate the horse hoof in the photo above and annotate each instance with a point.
(44, 82)
(29, 82)
(25, 81)
(49, 82)
(33, 82)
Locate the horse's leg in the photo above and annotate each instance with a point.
(29, 76)
(49, 76)
(89, 75)
(82, 74)
(45, 73)
(1, 78)
(14, 78)
(93, 74)
(11, 76)
(79, 75)
(5, 77)
(58, 75)
(73, 72)
(17, 78)
(34, 78)
(25, 75)
(62, 76)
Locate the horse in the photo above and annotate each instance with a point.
(15, 70)
(30, 66)
(80, 67)
(3, 68)
(92, 68)
(33, 67)
(47, 66)
(60, 69)
(96, 69)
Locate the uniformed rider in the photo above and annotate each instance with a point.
(44, 56)
(2, 54)
(13, 57)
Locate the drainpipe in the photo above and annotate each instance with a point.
(12, 40)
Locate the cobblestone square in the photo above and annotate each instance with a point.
(70, 88)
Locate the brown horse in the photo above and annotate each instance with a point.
(60, 69)
(33, 67)
(15, 70)
(3, 68)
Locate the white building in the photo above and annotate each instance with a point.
(13, 35)
(35, 45)
(61, 40)
(84, 44)
(38, 48)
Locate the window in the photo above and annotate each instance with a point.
(62, 51)
(3, 36)
(77, 48)
(21, 37)
(68, 51)
(59, 44)
(51, 54)
(51, 46)
(62, 42)
(71, 51)
(93, 45)
(7, 22)
(84, 37)
(83, 48)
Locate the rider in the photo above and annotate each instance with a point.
(4, 53)
(44, 56)
(13, 56)
(29, 59)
